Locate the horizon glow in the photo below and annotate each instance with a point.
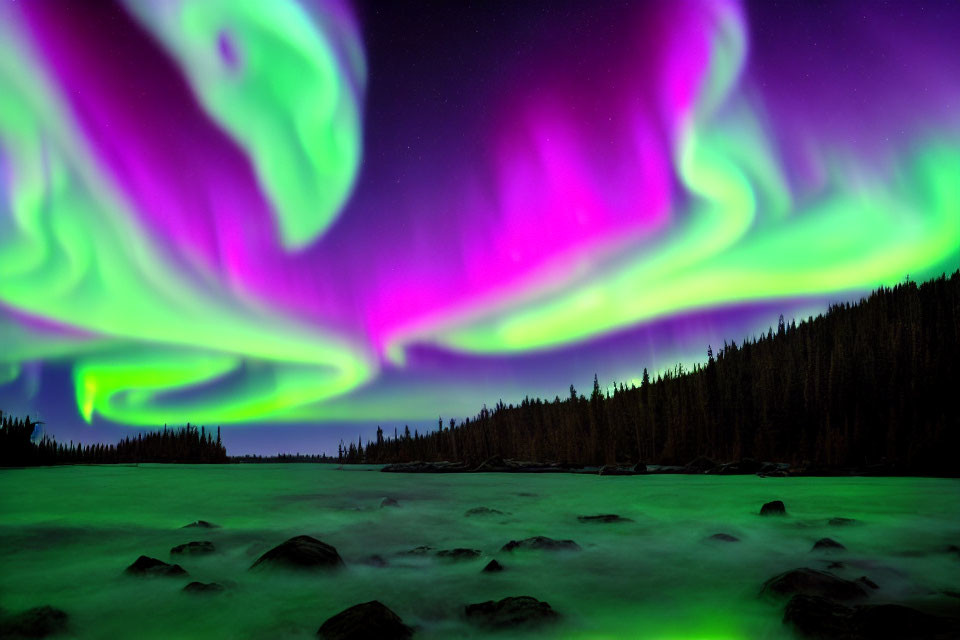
(203, 249)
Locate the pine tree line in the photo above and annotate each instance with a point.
(185, 445)
(865, 383)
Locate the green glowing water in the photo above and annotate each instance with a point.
(67, 534)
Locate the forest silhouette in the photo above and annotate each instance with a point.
(19, 448)
(868, 384)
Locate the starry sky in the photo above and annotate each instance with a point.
(299, 220)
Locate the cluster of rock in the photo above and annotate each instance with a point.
(821, 604)
(817, 603)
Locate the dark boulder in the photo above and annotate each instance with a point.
(841, 522)
(701, 464)
(301, 552)
(364, 622)
(817, 617)
(827, 544)
(204, 587)
(389, 502)
(810, 582)
(510, 612)
(198, 547)
(38, 622)
(724, 537)
(145, 566)
(492, 567)
(541, 543)
(483, 511)
(639, 468)
(605, 518)
(202, 524)
(774, 508)
(458, 554)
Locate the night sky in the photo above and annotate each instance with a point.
(301, 220)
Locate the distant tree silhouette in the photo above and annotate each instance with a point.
(866, 383)
(187, 444)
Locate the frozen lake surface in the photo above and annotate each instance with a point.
(68, 533)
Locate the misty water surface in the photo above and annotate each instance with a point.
(67, 534)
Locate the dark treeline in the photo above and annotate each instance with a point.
(284, 458)
(185, 444)
(866, 383)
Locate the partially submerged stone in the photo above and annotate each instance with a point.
(367, 621)
(810, 582)
(510, 612)
(146, 566)
(541, 543)
(201, 524)
(841, 522)
(724, 537)
(606, 518)
(774, 508)
(827, 544)
(493, 567)
(458, 554)
(301, 552)
(197, 547)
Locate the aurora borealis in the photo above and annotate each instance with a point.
(244, 213)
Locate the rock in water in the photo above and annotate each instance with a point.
(483, 511)
(301, 552)
(775, 508)
(810, 582)
(204, 587)
(817, 617)
(367, 621)
(202, 524)
(389, 502)
(492, 567)
(604, 518)
(459, 554)
(197, 547)
(418, 551)
(827, 544)
(145, 566)
(541, 543)
(841, 522)
(38, 622)
(724, 537)
(510, 612)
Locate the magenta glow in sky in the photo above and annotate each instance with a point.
(236, 212)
